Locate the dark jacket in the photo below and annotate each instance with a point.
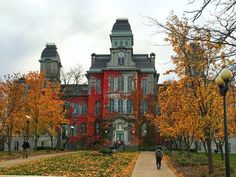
(26, 145)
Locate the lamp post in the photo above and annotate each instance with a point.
(72, 137)
(223, 83)
(27, 126)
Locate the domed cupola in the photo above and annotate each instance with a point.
(50, 62)
(121, 34)
(121, 25)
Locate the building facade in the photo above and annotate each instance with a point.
(120, 86)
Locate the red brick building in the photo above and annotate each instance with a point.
(103, 110)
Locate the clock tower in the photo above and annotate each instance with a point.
(121, 45)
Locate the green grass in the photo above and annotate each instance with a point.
(82, 163)
(199, 159)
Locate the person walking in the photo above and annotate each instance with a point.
(159, 154)
(26, 148)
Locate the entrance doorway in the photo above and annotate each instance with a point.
(120, 136)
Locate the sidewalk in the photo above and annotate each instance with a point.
(146, 167)
(14, 162)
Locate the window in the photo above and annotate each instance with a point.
(97, 107)
(129, 85)
(121, 61)
(121, 83)
(119, 126)
(120, 106)
(83, 129)
(144, 106)
(75, 109)
(144, 86)
(96, 129)
(111, 83)
(16, 145)
(128, 106)
(98, 86)
(84, 109)
(111, 105)
(48, 69)
(144, 129)
(75, 133)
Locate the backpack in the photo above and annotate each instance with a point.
(159, 153)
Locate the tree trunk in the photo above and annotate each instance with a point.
(205, 149)
(170, 146)
(221, 151)
(9, 144)
(51, 138)
(210, 158)
(36, 139)
(180, 146)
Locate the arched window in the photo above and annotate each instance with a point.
(128, 106)
(98, 86)
(111, 83)
(97, 107)
(144, 86)
(111, 105)
(121, 61)
(129, 84)
(121, 83)
(119, 126)
(143, 106)
(120, 106)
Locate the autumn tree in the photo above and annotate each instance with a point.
(12, 101)
(198, 59)
(44, 106)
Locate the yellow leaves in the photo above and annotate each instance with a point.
(190, 108)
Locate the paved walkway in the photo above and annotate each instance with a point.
(146, 167)
(14, 162)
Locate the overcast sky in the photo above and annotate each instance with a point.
(78, 28)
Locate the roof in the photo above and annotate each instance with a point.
(75, 90)
(121, 25)
(100, 61)
(50, 51)
(142, 61)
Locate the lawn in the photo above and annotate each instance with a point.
(82, 163)
(18, 154)
(197, 166)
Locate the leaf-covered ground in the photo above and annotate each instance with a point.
(197, 166)
(83, 163)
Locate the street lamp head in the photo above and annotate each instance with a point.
(28, 118)
(226, 74)
(219, 81)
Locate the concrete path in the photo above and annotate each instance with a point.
(146, 167)
(14, 162)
